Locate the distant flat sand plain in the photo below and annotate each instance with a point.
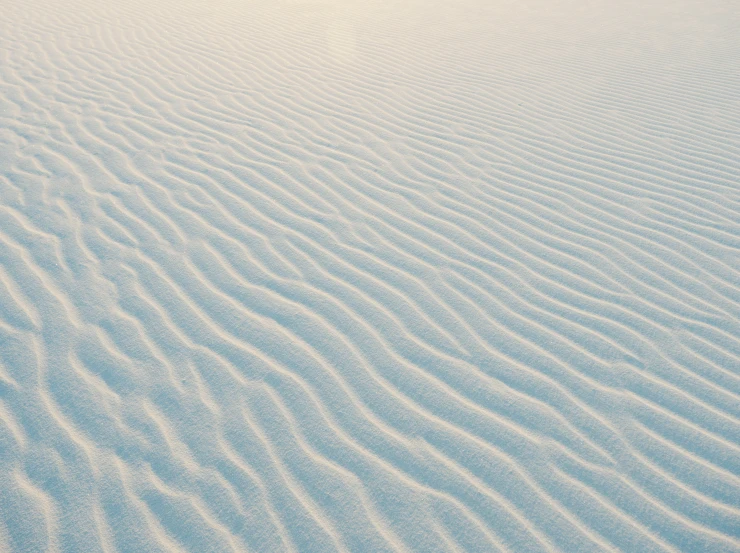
(369, 276)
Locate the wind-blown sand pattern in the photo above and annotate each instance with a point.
(369, 276)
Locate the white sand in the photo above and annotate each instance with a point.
(369, 276)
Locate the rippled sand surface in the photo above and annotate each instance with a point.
(415, 276)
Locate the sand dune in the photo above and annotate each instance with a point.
(369, 276)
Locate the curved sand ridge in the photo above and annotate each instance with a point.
(369, 276)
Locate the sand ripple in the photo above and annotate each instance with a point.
(369, 276)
